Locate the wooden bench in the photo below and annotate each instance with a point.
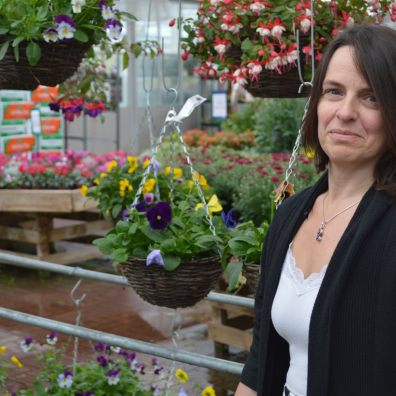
(34, 223)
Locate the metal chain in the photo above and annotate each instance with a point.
(77, 302)
(293, 156)
(199, 189)
(172, 166)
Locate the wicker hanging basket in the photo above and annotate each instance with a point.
(251, 272)
(58, 62)
(181, 288)
(271, 84)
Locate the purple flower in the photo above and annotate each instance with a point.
(113, 377)
(100, 347)
(228, 220)
(65, 26)
(65, 380)
(159, 216)
(102, 360)
(155, 258)
(89, 393)
(124, 214)
(182, 392)
(148, 198)
(113, 29)
(62, 18)
(52, 338)
(140, 207)
(27, 344)
(50, 34)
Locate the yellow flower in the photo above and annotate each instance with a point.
(111, 165)
(177, 172)
(103, 175)
(208, 391)
(125, 185)
(133, 163)
(107, 212)
(201, 179)
(148, 186)
(181, 375)
(84, 190)
(310, 153)
(146, 163)
(97, 181)
(16, 361)
(213, 205)
(2, 349)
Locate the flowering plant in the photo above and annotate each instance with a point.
(85, 21)
(111, 371)
(264, 33)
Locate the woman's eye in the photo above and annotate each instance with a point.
(332, 91)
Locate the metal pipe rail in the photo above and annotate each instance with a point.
(124, 342)
(19, 261)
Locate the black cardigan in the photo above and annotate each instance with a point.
(352, 334)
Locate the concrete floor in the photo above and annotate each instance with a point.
(106, 307)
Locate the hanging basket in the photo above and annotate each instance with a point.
(271, 84)
(58, 62)
(252, 274)
(181, 288)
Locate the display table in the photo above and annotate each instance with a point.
(231, 326)
(51, 225)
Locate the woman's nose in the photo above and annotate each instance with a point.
(347, 110)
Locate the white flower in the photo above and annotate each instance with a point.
(65, 31)
(235, 28)
(107, 13)
(277, 31)
(113, 380)
(115, 349)
(257, 7)
(51, 34)
(65, 380)
(291, 56)
(263, 31)
(305, 24)
(254, 68)
(26, 346)
(76, 5)
(239, 78)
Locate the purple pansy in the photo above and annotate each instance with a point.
(27, 344)
(113, 377)
(228, 220)
(155, 257)
(148, 198)
(62, 18)
(65, 380)
(113, 29)
(89, 393)
(50, 35)
(100, 347)
(52, 338)
(65, 26)
(159, 216)
(102, 360)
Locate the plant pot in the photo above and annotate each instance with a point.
(183, 287)
(58, 62)
(251, 272)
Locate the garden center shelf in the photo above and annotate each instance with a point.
(51, 225)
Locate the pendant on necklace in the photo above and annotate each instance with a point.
(319, 233)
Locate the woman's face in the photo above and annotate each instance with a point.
(350, 125)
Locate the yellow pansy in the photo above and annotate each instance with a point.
(103, 175)
(16, 361)
(84, 190)
(2, 349)
(125, 185)
(111, 165)
(177, 172)
(208, 391)
(181, 375)
(310, 153)
(201, 179)
(213, 205)
(148, 186)
(146, 163)
(133, 163)
(97, 181)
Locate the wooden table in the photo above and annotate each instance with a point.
(37, 223)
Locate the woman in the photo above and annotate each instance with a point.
(325, 313)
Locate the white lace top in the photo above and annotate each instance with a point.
(291, 315)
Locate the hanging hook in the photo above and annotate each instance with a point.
(306, 83)
(77, 301)
(175, 89)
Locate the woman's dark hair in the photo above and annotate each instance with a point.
(375, 57)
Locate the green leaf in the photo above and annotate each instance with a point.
(122, 226)
(125, 61)
(42, 11)
(16, 41)
(116, 210)
(3, 30)
(119, 255)
(16, 53)
(33, 53)
(105, 245)
(171, 262)
(81, 36)
(232, 272)
(154, 235)
(3, 49)
(169, 245)
(132, 229)
(136, 49)
(128, 15)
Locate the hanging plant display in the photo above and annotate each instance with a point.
(254, 43)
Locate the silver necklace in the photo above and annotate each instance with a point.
(323, 224)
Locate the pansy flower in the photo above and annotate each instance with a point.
(159, 216)
(228, 220)
(102, 360)
(77, 5)
(27, 344)
(154, 257)
(113, 29)
(65, 26)
(112, 377)
(52, 338)
(51, 35)
(181, 375)
(65, 380)
(208, 391)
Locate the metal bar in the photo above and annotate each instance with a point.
(91, 138)
(124, 342)
(99, 276)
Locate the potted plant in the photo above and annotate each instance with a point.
(44, 41)
(245, 246)
(254, 43)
